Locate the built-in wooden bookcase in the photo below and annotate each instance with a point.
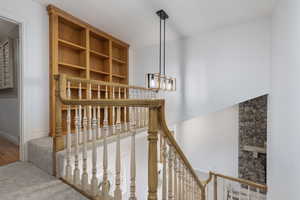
(81, 50)
(119, 63)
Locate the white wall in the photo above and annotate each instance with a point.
(283, 145)
(211, 142)
(214, 70)
(225, 67)
(35, 70)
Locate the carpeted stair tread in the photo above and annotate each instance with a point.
(23, 181)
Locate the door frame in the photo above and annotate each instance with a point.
(8, 16)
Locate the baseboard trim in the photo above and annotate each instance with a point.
(10, 137)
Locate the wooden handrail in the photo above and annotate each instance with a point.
(169, 135)
(97, 82)
(242, 181)
(207, 181)
(158, 104)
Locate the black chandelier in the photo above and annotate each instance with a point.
(160, 81)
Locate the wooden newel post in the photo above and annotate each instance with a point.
(58, 139)
(152, 153)
(215, 188)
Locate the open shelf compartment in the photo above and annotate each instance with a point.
(71, 32)
(119, 53)
(99, 45)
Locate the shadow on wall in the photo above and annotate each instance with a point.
(210, 142)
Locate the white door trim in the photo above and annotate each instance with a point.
(6, 15)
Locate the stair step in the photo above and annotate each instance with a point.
(51, 190)
(40, 152)
(23, 181)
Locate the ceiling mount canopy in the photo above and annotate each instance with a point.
(162, 14)
(159, 81)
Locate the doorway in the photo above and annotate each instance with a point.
(10, 95)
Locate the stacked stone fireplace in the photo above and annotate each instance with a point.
(253, 135)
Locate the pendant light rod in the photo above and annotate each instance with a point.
(162, 16)
(160, 46)
(164, 47)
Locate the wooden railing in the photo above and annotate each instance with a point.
(132, 108)
(222, 187)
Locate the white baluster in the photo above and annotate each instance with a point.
(76, 178)
(141, 115)
(185, 184)
(175, 177)
(195, 190)
(161, 157)
(80, 115)
(179, 180)
(239, 191)
(94, 181)
(99, 114)
(223, 184)
(207, 191)
(69, 137)
(249, 192)
(137, 110)
(188, 185)
(183, 193)
(84, 179)
(170, 174)
(231, 192)
(141, 109)
(132, 162)
(191, 187)
(164, 184)
(90, 131)
(105, 183)
(118, 191)
(138, 116)
(113, 113)
(147, 109)
(182, 181)
(125, 111)
(119, 126)
(226, 191)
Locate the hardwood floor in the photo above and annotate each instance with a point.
(9, 152)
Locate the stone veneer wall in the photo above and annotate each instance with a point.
(253, 132)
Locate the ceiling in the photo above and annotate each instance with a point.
(135, 22)
(5, 28)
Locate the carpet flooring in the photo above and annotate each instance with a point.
(24, 181)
